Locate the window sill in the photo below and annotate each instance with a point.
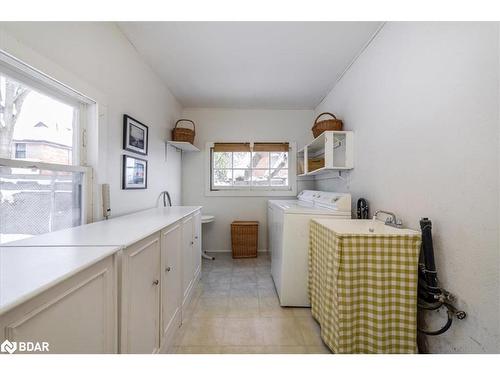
(251, 193)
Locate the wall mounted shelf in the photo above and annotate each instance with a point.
(184, 146)
(332, 150)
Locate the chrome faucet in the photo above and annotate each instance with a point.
(166, 198)
(391, 219)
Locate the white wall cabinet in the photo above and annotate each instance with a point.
(333, 149)
(77, 315)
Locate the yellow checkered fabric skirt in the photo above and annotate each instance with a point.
(363, 290)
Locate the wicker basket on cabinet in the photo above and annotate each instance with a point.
(244, 239)
(324, 125)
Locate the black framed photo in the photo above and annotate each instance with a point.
(135, 135)
(135, 173)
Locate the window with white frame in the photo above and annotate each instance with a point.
(242, 166)
(44, 183)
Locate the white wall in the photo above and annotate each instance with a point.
(422, 100)
(97, 60)
(423, 103)
(236, 125)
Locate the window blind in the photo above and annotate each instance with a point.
(257, 147)
(271, 147)
(232, 147)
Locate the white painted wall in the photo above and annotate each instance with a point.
(423, 103)
(97, 60)
(422, 100)
(236, 125)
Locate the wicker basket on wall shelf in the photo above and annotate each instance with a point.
(315, 163)
(324, 125)
(183, 134)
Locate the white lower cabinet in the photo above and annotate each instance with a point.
(157, 279)
(77, 315)
(187, 258)
(197, 245)
(171, 278)
(130, 302)
(140, 297)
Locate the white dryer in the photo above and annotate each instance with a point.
(288, 230)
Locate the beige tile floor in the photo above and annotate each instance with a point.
(235, 309)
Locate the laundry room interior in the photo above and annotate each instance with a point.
(250, 187)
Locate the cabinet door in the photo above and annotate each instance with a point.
(187, 258)
(197, 244)
(170, 282)
(78, 315)
(140, 309)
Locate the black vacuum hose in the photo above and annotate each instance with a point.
(443, 329)
(428, 253)
(430, 295)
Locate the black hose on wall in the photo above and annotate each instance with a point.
(428, 253)
(430, 295)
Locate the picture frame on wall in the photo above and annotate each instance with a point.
(135, 135)
(134, 173)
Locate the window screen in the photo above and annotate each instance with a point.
(34, 201)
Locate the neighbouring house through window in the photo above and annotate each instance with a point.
(242, 166)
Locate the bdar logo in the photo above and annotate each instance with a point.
(8, 347)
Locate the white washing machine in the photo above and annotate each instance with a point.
(288, 229)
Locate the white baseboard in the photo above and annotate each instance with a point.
(228, 251)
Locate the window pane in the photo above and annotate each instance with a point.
(260, 160)
(279, 177)
(222, 160)
(222, 177)
(260, 177)
(36, 201)
(242, 177)
(45, 125)
(279, 160)
(20, 150)
(241, 160)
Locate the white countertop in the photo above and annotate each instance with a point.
(32, 265)
(28, 271)
(120, 231)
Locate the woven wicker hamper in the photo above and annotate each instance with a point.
(244, 239)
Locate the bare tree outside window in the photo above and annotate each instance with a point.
(12, 96)
(38, 127)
